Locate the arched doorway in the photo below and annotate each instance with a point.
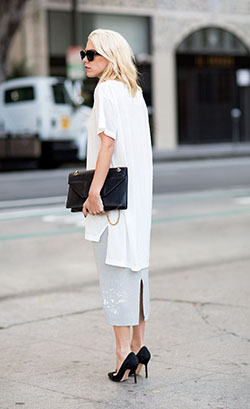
(207, 63)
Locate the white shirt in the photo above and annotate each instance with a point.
(125, 119)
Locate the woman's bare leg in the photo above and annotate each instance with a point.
(122, 336)
(137, 340)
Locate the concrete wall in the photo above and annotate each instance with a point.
(30, 42)
(169, 31)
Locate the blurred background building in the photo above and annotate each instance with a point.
(193, 54)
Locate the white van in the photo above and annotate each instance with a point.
(38, 119)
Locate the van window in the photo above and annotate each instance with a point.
(60, 94)
(19, 94)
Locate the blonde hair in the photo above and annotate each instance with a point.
(117, 51)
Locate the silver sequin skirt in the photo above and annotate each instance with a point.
(120, 288)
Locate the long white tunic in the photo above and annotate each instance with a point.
(125, 119)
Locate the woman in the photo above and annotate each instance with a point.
(118, 135)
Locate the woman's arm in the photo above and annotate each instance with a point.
(94, 204)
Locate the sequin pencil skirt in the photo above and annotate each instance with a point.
(120, 288)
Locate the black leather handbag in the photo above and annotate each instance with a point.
(114, 192)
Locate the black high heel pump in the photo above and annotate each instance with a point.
(143, 356)
(129, 364)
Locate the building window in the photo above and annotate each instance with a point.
(212, 40)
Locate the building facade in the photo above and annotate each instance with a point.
(194, 56)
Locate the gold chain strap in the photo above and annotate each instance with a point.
(118, 218)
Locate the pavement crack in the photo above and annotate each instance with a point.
(205, 318)
(68, 314)
(199, 303)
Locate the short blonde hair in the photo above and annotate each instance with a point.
(117, 51)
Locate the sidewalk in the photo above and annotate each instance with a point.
(56, 347)
(206, 151)
(200, 349)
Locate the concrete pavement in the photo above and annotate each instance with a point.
(55, 346)
(204, 151)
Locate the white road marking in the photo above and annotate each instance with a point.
(52, 213)
(243, 200)
(48, 214)
(36, 212)
(30, 202)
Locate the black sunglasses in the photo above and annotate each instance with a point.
(90, 54)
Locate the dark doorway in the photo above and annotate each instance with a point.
(208, 91)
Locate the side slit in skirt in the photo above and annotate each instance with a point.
(121, 287)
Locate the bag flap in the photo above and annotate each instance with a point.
(81, 182)
(111, 184)
(81, 188)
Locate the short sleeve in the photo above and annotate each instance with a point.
(105, 112)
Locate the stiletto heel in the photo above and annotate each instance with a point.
(143, 356)
(129, 364)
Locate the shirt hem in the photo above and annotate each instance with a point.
(117, 263)
(95, 238)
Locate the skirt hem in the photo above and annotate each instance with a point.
(125, 325)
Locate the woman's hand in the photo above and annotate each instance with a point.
(93, 205)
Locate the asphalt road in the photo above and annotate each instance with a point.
(55, 342)
(56, 347)
(172, 177)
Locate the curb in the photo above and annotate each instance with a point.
(197, 152)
